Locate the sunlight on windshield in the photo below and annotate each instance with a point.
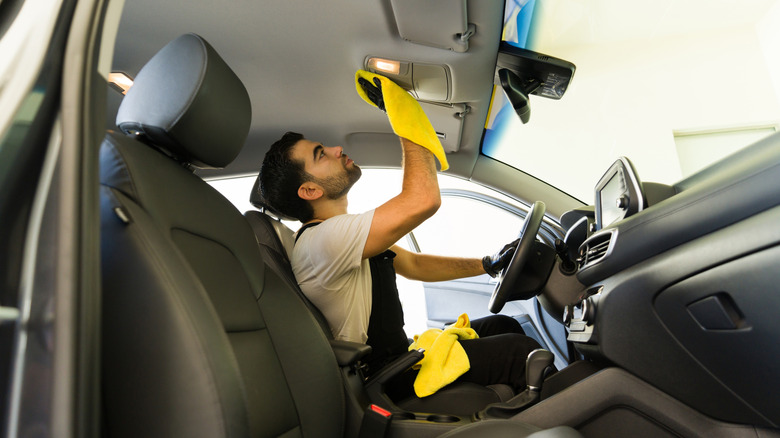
(648, 74)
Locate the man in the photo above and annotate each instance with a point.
(346, 264)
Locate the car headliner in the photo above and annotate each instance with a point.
(298, 59)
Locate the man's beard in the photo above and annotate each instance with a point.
(338, 186)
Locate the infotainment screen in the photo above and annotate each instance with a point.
(618, 194)
(612, 190)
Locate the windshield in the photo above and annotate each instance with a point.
(672, 85)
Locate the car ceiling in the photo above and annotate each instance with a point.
(298, 58)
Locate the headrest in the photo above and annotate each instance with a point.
(256, 199)
(187, 101)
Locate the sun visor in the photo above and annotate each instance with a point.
(379, 148)
(436, 23)
(447, 120)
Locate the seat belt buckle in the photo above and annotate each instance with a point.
(376, 422)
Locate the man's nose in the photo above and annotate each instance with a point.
(338, 150)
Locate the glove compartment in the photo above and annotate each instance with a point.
(726, 317)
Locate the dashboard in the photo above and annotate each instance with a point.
(679, 283)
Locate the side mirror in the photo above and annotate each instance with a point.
(522, 73)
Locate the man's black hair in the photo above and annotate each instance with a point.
(280, 178)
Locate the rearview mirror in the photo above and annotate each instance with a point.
(522, 73)
(517, 92)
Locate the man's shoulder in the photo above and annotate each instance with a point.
(337, 239)
(344, 223)
(349, 218)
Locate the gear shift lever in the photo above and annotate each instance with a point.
(535, 365)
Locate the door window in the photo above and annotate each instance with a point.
(466, 227)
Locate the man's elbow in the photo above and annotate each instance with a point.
(420, 211)
(430, 205)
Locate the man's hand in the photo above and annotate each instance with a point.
(374, 93)
(498, 261)
(405, 114)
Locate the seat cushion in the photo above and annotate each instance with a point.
(459, 398)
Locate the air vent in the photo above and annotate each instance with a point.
(596, 248)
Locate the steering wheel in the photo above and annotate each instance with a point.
(513, 273)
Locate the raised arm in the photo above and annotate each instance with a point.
(419, 198)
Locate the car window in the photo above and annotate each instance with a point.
(375, 187)
(467, 228)
(237, 190)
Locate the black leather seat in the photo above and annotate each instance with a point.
(201, 338)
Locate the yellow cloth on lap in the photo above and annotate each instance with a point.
(445, 360)
(406, 115)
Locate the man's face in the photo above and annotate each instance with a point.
(329, 167)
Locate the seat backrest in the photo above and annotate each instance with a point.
(267, 231)
(285, 238)
(201, 337)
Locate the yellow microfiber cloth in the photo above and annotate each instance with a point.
(407, 117)
(445, 360)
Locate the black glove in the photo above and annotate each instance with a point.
(498, 261)
(374, 92)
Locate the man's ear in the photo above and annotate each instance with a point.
(309, 191)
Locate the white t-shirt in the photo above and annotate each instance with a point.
(328, 264)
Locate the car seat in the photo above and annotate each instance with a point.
(200, 337)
